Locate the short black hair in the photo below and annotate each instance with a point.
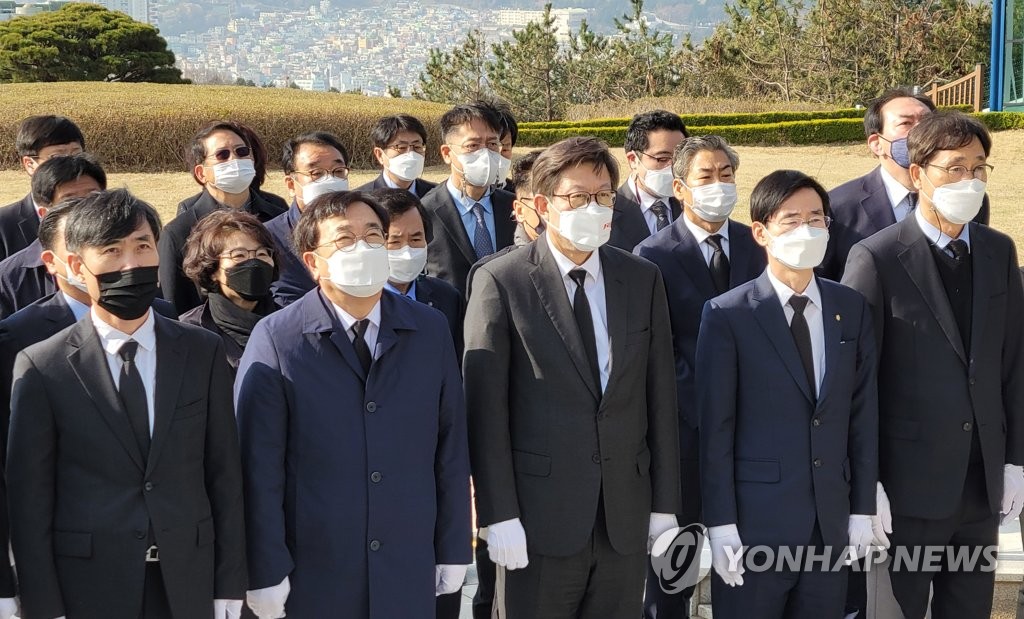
(307, 230)
(37, 132)
(873, 115)
(774, 189)
(567, 154)
(467, 113)
(56, 171)
(50, 223)
(104, 217)
(388, 127)
(945, 130)
(196, 153)
(320, 138)
(398, 201)
(509, 126)
(521, 170)
(644, 124)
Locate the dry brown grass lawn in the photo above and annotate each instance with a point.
(831, 165)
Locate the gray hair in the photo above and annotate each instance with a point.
(683, 156)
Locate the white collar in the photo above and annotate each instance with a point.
(646, 200)
(895, 189)
(784, 292)
(78, 309)
(700, 234)
(939, 238)
(112, 339)
(347, 320)
(592, 265)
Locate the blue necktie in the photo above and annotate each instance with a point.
(482, 244)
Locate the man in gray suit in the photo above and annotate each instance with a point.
(571, 402)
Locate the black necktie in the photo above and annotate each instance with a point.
(482, 244)
(661, 212)
(719, 264)
(802, 336)
(959, 249)
(133, 396)
(912, 200)
(359, 343)
(585, 322)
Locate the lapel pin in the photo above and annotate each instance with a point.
(838, 317)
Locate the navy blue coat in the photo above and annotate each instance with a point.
(774, 460)
(24, 279)
(294, 279)
(354, 490)
(629, 227)
(422, 186)
(19, 226)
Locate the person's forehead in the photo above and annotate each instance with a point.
(141, 232)
(803, 200)
(357, 216)
(223, 137)
(318, 153)
(901, 107)
(663, 141)
(583, 176)
(973, 150)
(66, 148)
(709, 159)
(408, 222)
(406, 136)
(475, 128)
(238, 238)
(77, 187)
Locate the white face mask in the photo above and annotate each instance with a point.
(714, 202)
(658, 182)
(77, 282)
(360, 272)
(801, 248)
(586, 228)
(407, 263)
(504, 165)
(234, 175)
(327, 184)
(480, 167)
(959, 202)
(407, 166)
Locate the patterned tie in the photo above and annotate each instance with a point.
(959, 249)
(802, 337)
(133, 396)
(661, 212)
(482, 244)
(719, 264)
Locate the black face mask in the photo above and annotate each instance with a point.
(251, 279)
(128, 294)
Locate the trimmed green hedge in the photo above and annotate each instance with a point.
(704, 120)
(1000, 121)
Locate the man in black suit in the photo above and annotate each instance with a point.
(571, 398)
(123, 461)
(701, 255)
(39, 138)
(314, 164)
(645, 203)
(885, 195)
(25, 277)
(399, 146)
(509, 137)
(946, 297)
(469, 217)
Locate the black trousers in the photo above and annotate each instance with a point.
(154, 597)
(483, 599)
(595, 583)
(963, 592)
(449, 606)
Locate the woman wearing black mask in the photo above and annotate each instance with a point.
(230, 257)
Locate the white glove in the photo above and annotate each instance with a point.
(1013, 492)
(269, 603)
(449, 578)
(881, 522)
(658, 525)
(8, 607)
(727, 554)
(506, 544)
(861, 534)
(222, 609)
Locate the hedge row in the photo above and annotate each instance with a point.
(704, 120)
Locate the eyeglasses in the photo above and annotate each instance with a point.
(340, 172)
(223, 154)
(401, 148)
(662, 161)
(579, 199)
(240, 254)
(347, 242)
(792, 223)
(473, 146)
(979, 172)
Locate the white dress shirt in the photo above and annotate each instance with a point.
(899, 196)
(594, 287)
(372, 330)
(702, 235)
(78, 309)
(111, 340)
(815, 322)
(393, 185)
(646, 200)
(938, 237)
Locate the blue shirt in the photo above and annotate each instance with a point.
(412, 290)
(465, 205)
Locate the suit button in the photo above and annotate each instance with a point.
(374, 545)
(140, 534)
(375, 477)
(371, 407)
(817, 463)
(148, 486)
(971, 382)
(967, 426)
(596, 458)
(816, 422)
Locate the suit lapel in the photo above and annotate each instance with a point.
(688, 254)
(89, 362)
(504, 224)
(876, 201)
(830, 317)
(393, 318)
(616, 297)
(742, 257)
(171, 360)
(450, 216)
(919, 264)
(983, 273)
(319, 318)
(769, 314)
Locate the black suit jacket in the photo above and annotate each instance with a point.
(861, 208)
(629, 227)
(266, 196)
(442, 296)
(450, 254)
(177, 288)
(544, 442)
(24, 279)
(19, 226)
(422, 186)
(932, 393)
(82, 498)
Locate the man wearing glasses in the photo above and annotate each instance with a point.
(399, 146)
(786, 393)
(471, 219)
(946, 297)
(645, 202)
(571, 398)
(314, 164)
(353, 430)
